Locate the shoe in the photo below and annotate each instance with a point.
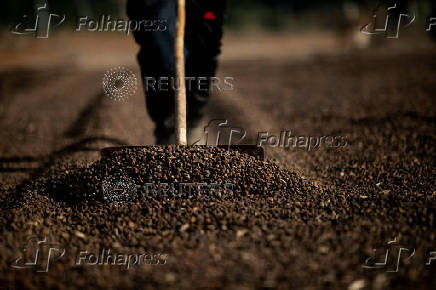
(164, 136)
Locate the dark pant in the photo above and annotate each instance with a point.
(204, 19)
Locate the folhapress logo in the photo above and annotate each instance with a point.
(218, 128)
(38, 255)
(391, 26)
(44, 22)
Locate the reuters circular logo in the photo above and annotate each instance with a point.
(118, 189)
(119, 83)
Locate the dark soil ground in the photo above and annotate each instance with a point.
(297, 220)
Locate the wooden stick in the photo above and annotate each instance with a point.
(180, 114)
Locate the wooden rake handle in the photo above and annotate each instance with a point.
(180, 102)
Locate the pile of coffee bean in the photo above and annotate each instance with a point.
(113, 204)
(170, 172)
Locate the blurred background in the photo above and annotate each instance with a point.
(340, 21)
(50, 88)
(282, 15)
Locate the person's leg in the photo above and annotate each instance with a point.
(156, 57)
(203, 45)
